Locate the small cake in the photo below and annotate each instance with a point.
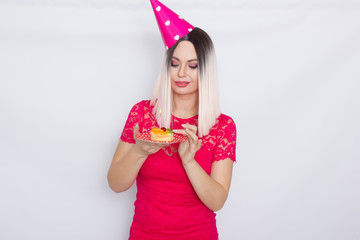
(161, 134)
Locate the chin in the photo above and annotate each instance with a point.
(184, 92)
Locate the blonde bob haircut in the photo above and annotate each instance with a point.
(208, 109)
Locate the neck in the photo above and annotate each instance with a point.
(185, 106)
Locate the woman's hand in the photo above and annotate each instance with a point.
(145, 148)
(188, 148)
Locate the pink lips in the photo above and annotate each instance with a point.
(181, 84)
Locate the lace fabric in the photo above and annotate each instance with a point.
(166, 206)
(221, 139)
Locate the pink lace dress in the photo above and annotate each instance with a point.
(166, 206)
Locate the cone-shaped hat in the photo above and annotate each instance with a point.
(172, 26)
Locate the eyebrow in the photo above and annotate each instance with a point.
(191, 60)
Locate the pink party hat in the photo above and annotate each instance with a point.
(172, 26)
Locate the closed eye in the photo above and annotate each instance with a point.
(193, 66)
(173, 64)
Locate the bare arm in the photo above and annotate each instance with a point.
(127, 162)
(212, 190)
(125, 166)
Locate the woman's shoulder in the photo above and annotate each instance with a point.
(227, 128)
(226, 120)
(141, 112)
(142, 105)
(224, 123)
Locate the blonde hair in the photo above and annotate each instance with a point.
(209, 108)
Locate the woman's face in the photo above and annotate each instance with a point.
(184, 69)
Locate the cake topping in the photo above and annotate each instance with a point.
(161, 134)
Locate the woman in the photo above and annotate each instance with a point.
(180, 186)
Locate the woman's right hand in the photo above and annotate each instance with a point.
(145, 148)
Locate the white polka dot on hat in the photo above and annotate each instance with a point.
(171, 25)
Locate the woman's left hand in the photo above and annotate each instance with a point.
(188, 148)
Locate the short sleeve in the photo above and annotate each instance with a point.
(135, 116)
(226, 141)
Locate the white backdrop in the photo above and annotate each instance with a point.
(70, 70)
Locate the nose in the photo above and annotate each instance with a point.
(182, 71)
